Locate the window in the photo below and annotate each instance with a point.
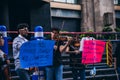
(70, 1)
(115, 1)
(67, 1)
(108, 19)
(60, 0)
(65, 13)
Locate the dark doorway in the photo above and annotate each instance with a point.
(66, 24)
(19, 12)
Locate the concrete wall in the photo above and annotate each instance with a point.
(87, 15)
(107, 6)
(93, 12)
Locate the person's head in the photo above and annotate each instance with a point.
(54, 33)
(23, 29)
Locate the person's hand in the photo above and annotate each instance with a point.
(7, 61)
(77, 52)
(4, 55)
(69, 40)
(55, 47)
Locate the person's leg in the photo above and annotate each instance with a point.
(6, 73)
(74, 73)
(49, 73)
(41, 73)
(23, 74)
(82, 74)
(59, 73)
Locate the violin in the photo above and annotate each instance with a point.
(75, 42)
(61, 38)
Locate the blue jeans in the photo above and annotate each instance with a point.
(78, 73)
(54, 73)
(23, 74)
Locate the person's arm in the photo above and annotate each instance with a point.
(73, 52)
(4, 56)
(6, 59)
(81, 46)
(73, 49)
(16, 47)
(1, 41)
(17, 44)
(65, 48)
(2, 53)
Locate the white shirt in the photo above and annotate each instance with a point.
(17, 43)
(82, 42)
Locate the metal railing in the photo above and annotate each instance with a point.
(103, 71)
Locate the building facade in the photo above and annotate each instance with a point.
(65, 14)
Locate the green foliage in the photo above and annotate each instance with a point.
(108, 36)
(82, 35)
(89, 33)
(117, 29)
(107, 29)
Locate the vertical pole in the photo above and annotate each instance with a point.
(94, 26)
(39, 36)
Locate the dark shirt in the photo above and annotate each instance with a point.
(76, 58)
(57, 60)
(117, 54)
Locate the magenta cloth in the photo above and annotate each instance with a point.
(92, 51)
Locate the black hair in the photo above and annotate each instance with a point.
(55, 29)
(22, 25)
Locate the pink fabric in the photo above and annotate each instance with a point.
(92, 51)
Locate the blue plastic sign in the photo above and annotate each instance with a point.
(36, 53)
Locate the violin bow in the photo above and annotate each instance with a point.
(59, 33)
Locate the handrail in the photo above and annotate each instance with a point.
(72, 32)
